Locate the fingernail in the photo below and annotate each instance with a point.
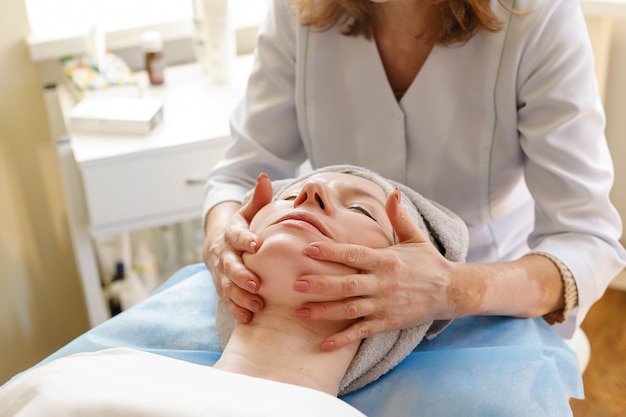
(255, 306)
(301, 286)
(251, 286)
(311, 250)
(243, 317)
(253, 246)
(398, 195)
(328, 345)
(303, 313)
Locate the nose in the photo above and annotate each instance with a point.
(313, 193)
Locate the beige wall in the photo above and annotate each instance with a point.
(41, 304)
(616, 113)
(608, 37)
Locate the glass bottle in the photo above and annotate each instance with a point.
(152, 45)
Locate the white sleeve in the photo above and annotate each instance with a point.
(264, 124)
(568, 170)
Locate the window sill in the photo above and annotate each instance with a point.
(44, 49)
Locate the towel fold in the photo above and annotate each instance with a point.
(380, 353)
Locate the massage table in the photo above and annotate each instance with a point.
(478, 366)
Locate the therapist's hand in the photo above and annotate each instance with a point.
(398, 287)
(223, 249)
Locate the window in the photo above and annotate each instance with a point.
(58, 27)
(67, 18)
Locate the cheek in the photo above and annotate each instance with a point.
(364, 232)
(278, 254)
(269, 214)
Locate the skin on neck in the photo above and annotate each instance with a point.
(277, 346)
(398, 25)
(401, 18)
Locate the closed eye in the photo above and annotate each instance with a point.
(364, 211)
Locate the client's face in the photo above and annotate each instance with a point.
(334, 207)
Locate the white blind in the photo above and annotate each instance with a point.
(63, 18)
(60, 18)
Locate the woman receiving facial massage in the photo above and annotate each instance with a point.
(273, 365)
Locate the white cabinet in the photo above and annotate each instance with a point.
(149, 188)
(122, 183)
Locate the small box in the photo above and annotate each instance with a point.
(116, 115)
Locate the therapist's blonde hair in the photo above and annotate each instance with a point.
(454, 21)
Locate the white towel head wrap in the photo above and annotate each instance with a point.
(380, 353)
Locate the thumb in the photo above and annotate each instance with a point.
(261, 196)
(405, 228)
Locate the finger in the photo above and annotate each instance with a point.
(348, 309)
(241, 304)
(406, 229)
(238, 233)
(340, 286)
(243, 299)
(242, 239)
(358, 257)
(261, 196)
(355, 333)
(239, 313)
(235, 271)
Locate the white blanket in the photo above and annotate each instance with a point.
(125, 382)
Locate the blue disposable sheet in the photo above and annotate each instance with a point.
(479, 366)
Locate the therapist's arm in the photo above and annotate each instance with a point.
(528, 287)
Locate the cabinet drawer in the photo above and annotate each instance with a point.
(150, 188)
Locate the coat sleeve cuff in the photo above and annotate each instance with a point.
(569, 287)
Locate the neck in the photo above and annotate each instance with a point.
(405, 19)
(277, 346)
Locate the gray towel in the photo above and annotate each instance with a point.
(380, 353)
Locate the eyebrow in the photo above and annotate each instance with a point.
(358, 192)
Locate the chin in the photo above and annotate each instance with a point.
(281, 261)
(284, 254)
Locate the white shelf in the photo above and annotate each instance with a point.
(194, 109)
(116, 183)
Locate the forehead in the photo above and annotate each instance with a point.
(341, 181)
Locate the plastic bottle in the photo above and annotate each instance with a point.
(152, 45)
(146, 267)
(134, 290)
(214, 39)
(125, 290)
(166, 247)
(95, 47)
(115, 290)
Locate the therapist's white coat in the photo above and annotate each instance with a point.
(484, 126)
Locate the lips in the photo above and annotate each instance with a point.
(304, 218)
